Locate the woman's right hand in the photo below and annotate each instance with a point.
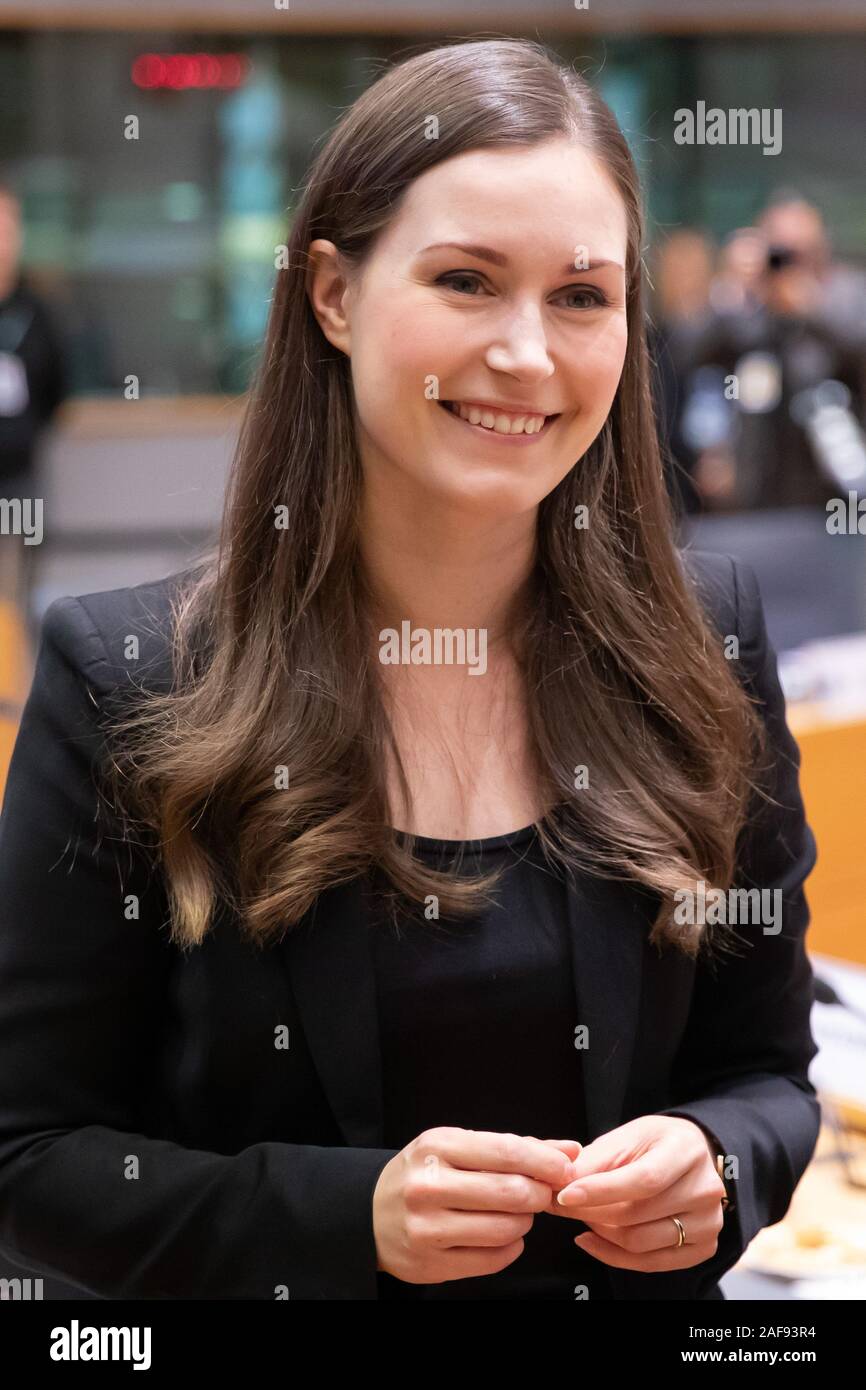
(456, 1203)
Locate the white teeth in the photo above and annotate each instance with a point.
(499, 423)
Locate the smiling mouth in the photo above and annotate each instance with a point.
(500, 434)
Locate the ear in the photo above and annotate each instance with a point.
(327, 290)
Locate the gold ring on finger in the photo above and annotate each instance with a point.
(681, 1230)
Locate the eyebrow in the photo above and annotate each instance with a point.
(485, 253)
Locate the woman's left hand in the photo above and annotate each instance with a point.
(630, 1182)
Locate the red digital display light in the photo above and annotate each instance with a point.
(181, 71)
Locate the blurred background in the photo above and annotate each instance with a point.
(149, 157)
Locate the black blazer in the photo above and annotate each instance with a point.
(154, 1143)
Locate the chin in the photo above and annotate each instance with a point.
(493, 496)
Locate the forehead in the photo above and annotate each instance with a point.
(551, 196)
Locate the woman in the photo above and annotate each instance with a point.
(326, 972)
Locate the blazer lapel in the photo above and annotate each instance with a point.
(335, 991)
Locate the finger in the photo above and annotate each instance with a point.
(570, 1147)
(653, 1262)
(700, 1226)
(616, 1212)
(611, 1150)
(643, 1177)
(478, 1228)
(689, 1191)
(470, 1262)
(458, 1190)
(491, 1152)
(608, 1151)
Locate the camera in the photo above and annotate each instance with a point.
(779, 257)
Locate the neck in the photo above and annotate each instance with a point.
(441, 566)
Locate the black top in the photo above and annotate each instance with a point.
(477, 1029)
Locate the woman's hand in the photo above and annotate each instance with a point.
(456, 1203)
(627, 1185)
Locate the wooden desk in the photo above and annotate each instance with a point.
(15, 678)
(833, 783)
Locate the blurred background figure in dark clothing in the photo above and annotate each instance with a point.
(781, 344)
(32, 386)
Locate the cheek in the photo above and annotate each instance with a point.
(600, 370)
(399, 354)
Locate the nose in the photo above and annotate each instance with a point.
(520, 347)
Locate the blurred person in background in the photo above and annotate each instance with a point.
(32, 386)
(783, 322)
(684, 265)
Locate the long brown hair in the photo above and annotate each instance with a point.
(258, 777)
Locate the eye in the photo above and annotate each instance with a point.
(596, 297)
(452, 278)
(457, 275)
